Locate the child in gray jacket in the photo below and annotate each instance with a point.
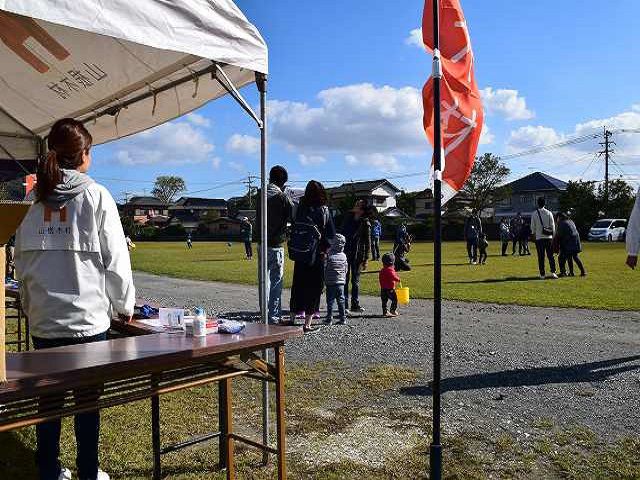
(335, 276)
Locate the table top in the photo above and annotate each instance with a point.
(59, 368)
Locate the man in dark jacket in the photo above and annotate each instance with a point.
(279, 214)
(472, 231)
(357, 232)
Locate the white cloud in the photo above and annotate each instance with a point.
(308, 160)
(244, 144)
(198, 120)
(237, 166)
(486, 137)
(505, 102)
(378, 161)
(215, 162)
(528, 137)
(353, 120)
(415, 38)
(171, 143)
(578, 160)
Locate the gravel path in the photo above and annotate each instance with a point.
(505, 366)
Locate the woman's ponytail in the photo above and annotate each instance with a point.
(49, 175)
(68, 140)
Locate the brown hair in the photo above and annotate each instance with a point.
(315, 194)
(68, 140)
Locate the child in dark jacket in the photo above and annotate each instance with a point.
(388, 279)
(483, 243)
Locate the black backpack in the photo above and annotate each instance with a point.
(304, 240)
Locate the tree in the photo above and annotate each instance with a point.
(621, 199)
(167, 187)
(12, 190)
(407, 202)
(580, 201)
(483, 185)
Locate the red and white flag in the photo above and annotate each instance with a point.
(461, 115)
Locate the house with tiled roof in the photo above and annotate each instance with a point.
(143, 209)
(524, 193)
(379, 193)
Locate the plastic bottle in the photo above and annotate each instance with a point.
(200, 323)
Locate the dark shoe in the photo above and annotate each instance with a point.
(583, 274)
(571, 274)
(562, 274)
(357, 309)
(327, 321)
(310, 329)
(341, 322)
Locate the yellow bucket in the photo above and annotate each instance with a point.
(403, 295)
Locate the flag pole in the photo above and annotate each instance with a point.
(435, 451)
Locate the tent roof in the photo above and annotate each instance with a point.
(120, 66)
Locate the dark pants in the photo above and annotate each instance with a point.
(505, 245)
(335, 293)
(483, 255)
(565, 258)
(524, 241)
(353, 277)
(514, 241)
(375, 248)
(306, 288)
(387, 294)
(544, 247)
(86, 426)
(248, 249)
(472, 249)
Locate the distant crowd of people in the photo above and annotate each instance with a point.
(552, 236)
(324, 255)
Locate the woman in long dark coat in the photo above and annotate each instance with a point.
(570, 246)
(308, 279)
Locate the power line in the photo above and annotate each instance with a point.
(553, 146)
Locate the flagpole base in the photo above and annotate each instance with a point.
(435, 462)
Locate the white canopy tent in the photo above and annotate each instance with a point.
(121, 67)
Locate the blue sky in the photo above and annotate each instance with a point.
(344, 90)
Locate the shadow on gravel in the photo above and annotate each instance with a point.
(500, 280)
(584, 372)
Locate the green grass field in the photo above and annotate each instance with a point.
(509, 280)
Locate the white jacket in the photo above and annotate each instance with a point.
(633, 229)
(74, 266)
(547, 221)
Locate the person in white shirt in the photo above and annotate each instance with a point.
(73, 261)
(633, 234)
(543, 227)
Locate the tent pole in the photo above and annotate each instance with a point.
(435, 451)
(261, 81)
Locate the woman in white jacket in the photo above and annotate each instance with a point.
(72, 259)
(633, 234)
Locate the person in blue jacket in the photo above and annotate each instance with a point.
(376, 233)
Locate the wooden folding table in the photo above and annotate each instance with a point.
(46, 384)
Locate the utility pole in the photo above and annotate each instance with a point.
(249, 183)
(126, 196)
(607, 155)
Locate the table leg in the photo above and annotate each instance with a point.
(227, 425)
(280, 414)
(19, 310)
(222, 426)
(155, 434)
(26, 329)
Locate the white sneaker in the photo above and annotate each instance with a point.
(102, 475)
(542, 277)
(553, 275)
(65, 474)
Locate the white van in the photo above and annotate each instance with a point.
(608, 230)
